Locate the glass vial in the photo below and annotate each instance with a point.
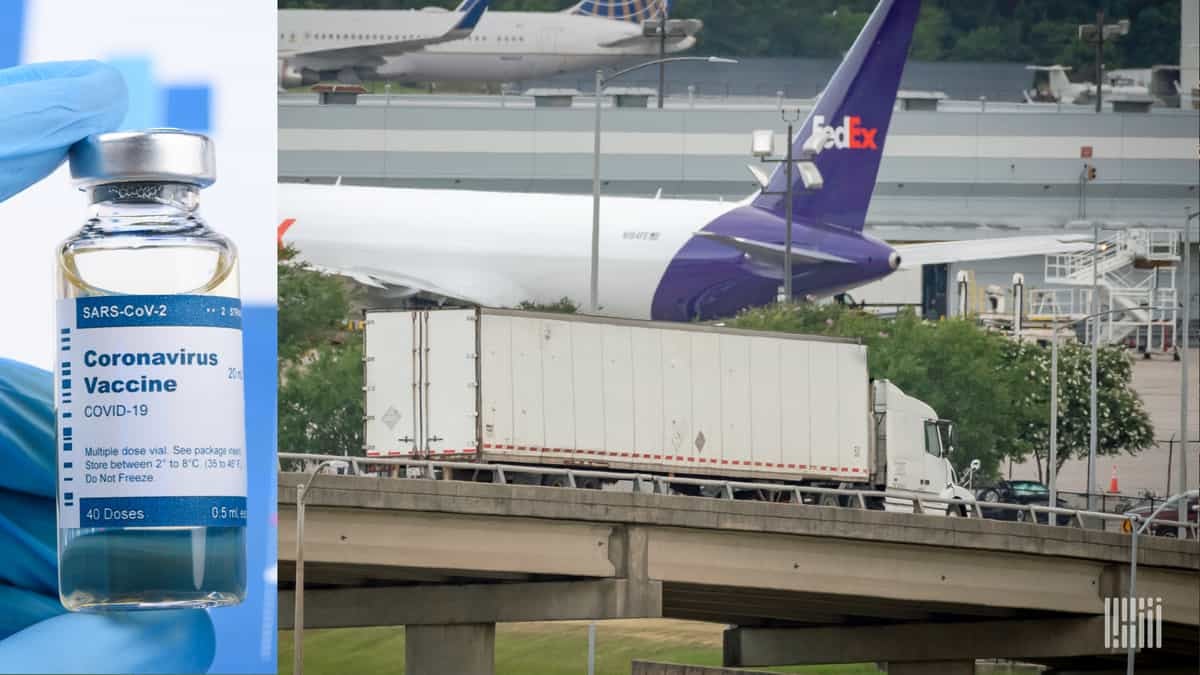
(148, 386)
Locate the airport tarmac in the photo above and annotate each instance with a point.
(1157, 381)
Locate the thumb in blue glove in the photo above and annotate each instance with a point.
(48, 107)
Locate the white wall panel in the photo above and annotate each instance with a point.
(388, 348)
(619, 404)
(766, 398)
(450, 374)
(823, 404)
(497, 384)
(853, 421)
(736, 432)
(706, 397)
(796, 394)
(558, 396)
(588, 390)
(528, 417)
(677, 394)
(647, 393)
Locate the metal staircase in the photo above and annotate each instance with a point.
(1135, 271)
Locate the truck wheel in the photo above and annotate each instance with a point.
(956, 511)
(830, 500)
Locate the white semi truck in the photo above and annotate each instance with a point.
(674, 399)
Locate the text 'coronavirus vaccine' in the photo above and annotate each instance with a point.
(151, 437)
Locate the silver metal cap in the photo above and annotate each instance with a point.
(150, 155)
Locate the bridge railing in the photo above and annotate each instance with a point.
(428, 469)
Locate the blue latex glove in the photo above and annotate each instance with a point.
(36, 633)
(47, 107)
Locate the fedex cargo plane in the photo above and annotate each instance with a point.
(662, 259)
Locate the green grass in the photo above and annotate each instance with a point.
(554, 649)
(533, 649)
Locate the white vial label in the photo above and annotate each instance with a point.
(150, 412)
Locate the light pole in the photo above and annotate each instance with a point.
(1181, 342)
(661, 29)
(601, 83)
(1097, 33)
(1093, 427)
(763, 146)
(1052, 468)
(298, 595)
(1183, 497)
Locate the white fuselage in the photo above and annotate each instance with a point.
(504, 46)
(499, 249)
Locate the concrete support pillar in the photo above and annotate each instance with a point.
(462, 649)
(960, 667)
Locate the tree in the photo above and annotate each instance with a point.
(321, 402)
(986, 43)
(930, 34)
(564, 306)
(1124, 423)
(320, 372)
(312, 306)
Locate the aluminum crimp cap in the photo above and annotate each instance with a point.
(168, 155)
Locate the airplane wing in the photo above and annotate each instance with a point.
(915, 255)
(467, 286)
(469, 13)
(772, 253)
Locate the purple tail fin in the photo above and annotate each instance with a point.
(852, 114)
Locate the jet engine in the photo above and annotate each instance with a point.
(291, 76)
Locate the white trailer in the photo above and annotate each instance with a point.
(679, 399)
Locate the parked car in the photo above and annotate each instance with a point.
(1019, 492)
(1170, 512)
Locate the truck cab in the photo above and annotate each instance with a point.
(915, 445)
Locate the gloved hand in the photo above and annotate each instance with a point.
(46, 108)
(36, 633)
(49, 106)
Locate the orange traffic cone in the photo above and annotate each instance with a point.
(1112, 482)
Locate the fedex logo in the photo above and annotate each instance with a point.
(850, 135)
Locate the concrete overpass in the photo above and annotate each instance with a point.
(796, 584)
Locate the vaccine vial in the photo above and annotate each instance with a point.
(148, 386)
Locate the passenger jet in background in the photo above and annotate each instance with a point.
(659, 258)
(433, 44)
